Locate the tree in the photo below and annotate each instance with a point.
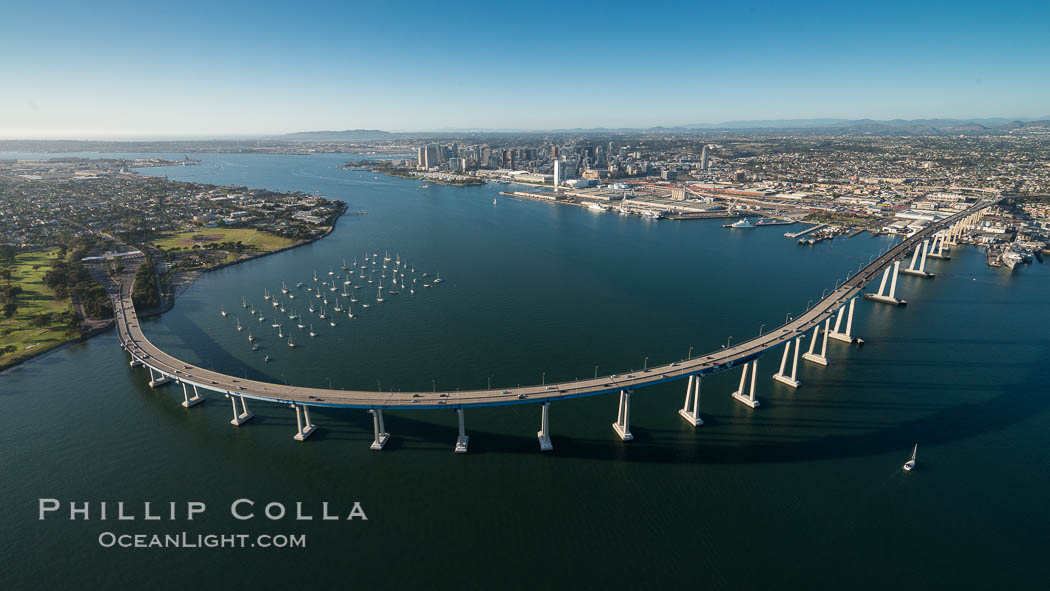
(10, 308)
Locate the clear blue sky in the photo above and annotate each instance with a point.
(185, 67)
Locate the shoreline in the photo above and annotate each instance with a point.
(182, 283)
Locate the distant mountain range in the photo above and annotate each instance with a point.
(872, 126)
(828, 126)
(347, 135)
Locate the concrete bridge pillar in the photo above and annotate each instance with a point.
(187, 401)
(690, 410)
(544, 434)
(882, 296)
(155, 381)
(780, 376)
(918, 260)
(305, 427)
(822, 358)
(739, 394)
(242, 417)
(622, 426)
(847, 336)
(381, 436)
(461, 441)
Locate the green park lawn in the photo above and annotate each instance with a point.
(259, 241)
(36, 298)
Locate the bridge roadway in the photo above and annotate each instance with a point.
(135, 342)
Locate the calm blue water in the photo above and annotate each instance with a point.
(804, 492)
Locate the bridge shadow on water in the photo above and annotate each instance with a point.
(744, 437)
(737, 436)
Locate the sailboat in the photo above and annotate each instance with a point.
(312, 308)
(439, 279)
(379, 296)
(280, 331)
(386, 258)
(284, 287)
(301, 325)
(344, 267)
(266, 295)
(911, 463)
(261, 318)
(322, 315)
(330, 271)
(292, 315)
(350, 312)
(312, 333)
(239, 327)
(290, 343)
(222, 311)
(337, 307)
(315, 276)
(251, 339)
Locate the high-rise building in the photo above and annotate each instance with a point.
(557, 173)
(554, 152)
(421, 157)
(703, 158)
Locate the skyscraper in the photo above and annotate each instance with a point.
(557, 173)
(703, 158)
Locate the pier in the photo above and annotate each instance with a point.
(804, 232)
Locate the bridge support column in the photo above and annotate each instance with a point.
(306, 428)
(135, 362)
(739, 394)
(938, 246)
(884, 297)
(461, 441)
(920, 258)
(821, 359)
(622, 426)
(242, 417)
(690, 410)
(544, 434)
(379, 428)
(780, 376)
(847, 336)
(157, 381)
(187, 401)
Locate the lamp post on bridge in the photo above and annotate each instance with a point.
(596, 372)
(787, 318)
(689, 355)
(543, 379)
(645, 364)
(729, 340)
(760, 327)
(490, 383)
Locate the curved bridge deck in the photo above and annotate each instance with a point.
(135, 342)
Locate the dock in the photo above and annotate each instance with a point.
(806, 231)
